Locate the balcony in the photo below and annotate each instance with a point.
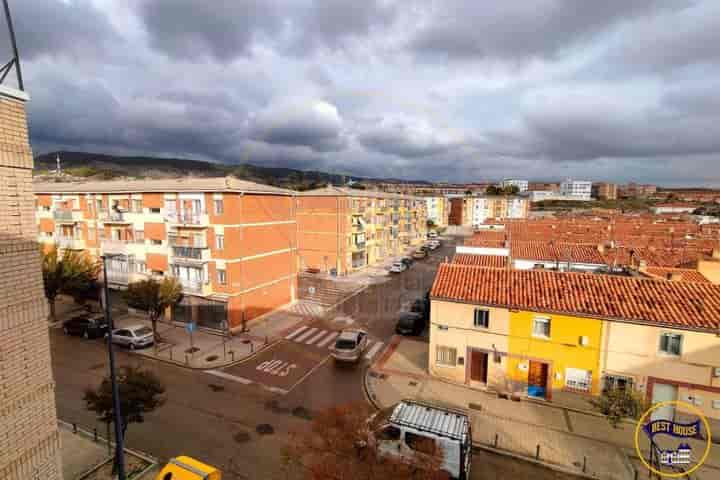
(65, 215)
(114, 247)
(187, 218)
(113, 216)
(192, 286)
(70, 243)
(118, 277)
(190, 253)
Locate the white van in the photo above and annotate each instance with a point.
(416, 428)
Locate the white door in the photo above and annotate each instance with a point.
(663, 393)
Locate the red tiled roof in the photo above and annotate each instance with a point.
(686, 274)
(496, 261)
(555, 251)
(676, 304)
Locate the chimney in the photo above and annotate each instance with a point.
(601, 248)
(642, 267)
(675, 276)
(716, 253)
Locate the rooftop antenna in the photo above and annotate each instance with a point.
(15, 60)
(58, 170)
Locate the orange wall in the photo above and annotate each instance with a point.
(47, 225)
(263, 270)
(266, 238)
(43, 200)
(232, 245)
(258, 302)
(156, 261)
(155, 231)
(152, 200)
(266, 208)
(319, 222)
(231, 209)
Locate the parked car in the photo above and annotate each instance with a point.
(425, 248)
(419, 254)
(398, 267)
(420, 306)
(88, 326)
(414, 429)
(410, 323)
(135, 336)
(407, 261)
(349, 345)
(432, 234)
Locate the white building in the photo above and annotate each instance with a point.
(579, 189)
(480, 210)
(437, 210)
(514, 182)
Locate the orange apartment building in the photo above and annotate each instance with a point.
(348, 229)
(230, 243)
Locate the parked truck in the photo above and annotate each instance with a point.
(187, 468)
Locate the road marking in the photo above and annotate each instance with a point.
(305, 335)
(331, 336)
(373, 351)
(315, 338)
(227, 376)
(308, 373)
(296, 332)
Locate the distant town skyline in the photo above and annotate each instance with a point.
(443, 91)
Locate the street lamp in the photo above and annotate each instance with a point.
(119, 450)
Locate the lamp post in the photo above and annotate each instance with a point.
(119, 450)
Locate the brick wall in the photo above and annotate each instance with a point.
(29, 438)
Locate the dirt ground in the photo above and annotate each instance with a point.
(491, 466)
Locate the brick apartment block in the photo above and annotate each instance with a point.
(230, 243)
(29, 438)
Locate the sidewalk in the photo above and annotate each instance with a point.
(566, 437)
(85, 457)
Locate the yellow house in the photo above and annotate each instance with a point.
(538, 333)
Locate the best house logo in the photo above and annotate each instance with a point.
(673, 449)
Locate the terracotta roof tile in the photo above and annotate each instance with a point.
(496, 261)
(685, 274)
(556, 251)
(674, 304)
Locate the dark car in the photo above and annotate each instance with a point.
(420, 306)
(407, 261)
(87, 326)
(410, 323)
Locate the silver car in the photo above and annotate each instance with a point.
(135, 336)
(349, 345)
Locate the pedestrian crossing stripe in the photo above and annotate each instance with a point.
(305, 335)
(296, 332)
(375, 348)
(331, 336)
(315, 338)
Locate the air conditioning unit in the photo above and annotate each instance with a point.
(584, 341)
(716, 372)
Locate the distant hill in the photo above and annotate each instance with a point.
(84, 164)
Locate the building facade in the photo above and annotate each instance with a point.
(522, 185)
(522, 333)
(230, 243)
(636, 190)
(604, 191)
(342, 230)
(579, 189)
(29, 437)
(438, 210)
(475, 210)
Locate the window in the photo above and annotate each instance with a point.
(671, 343)
(218, 206)
(154, 210)
(578, 379)
(137, 206)
(140, 267)
(221, 277)
(154, 241)
(482, 318)
(91, 234)
(98, 203)
(446, 356)
(617, 382)
(139, 236)
(541, 327)
(389, 433)
(219, 242)
(420, 443)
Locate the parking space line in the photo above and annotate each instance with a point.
(305, 335)
(373, 351)
(324, 360)
(227, 376)
(296, 332)
(315, 338)
(331, 336)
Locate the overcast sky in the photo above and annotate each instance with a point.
(453, 90)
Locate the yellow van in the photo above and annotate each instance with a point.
(186, 468)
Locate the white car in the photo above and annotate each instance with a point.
(135, 336)
(398, 267)
(432, 235)
(349, 345)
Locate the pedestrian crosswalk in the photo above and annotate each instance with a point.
(322, 338)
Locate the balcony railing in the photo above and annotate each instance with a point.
(185, 218)
(112, 216)
(194, 253)
(118, 276)
(63, 215)
(192, 286)
(71, 243)
(118, 247)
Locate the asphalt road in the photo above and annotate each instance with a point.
(211, 416)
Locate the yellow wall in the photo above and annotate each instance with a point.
(562, 349)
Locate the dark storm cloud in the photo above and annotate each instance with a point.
(521, 30)
(406, 138)
(53, 28)
(223, 30)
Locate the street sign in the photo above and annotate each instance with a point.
(311, 290)
(190, 327)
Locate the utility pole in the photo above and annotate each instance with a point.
(119, 449)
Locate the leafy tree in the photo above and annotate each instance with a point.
(339, 447)
(71, 273)
(140, 392)
(510, 190)
(430, 224)
(617, 404)
(154, 297)
(492, 190)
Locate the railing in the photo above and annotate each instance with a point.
(191, 286)
(117, 276)
(114, 246)
(63, 215)
(111, 216)
(194, 253)
(70, 243)
(185, 218)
